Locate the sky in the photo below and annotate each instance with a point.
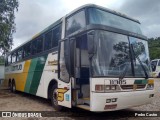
(35, 15)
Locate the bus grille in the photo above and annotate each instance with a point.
(140, 86)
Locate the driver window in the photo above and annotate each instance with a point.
(82, 58)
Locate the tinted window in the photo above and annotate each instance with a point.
(75, 22)
(14, 57)
(9, 59)
(19, 54)
(47, 43)
(97, 16)
(27, 50)
(56, 35)
(39, 44)
(34, 47)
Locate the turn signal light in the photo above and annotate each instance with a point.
(99, 88)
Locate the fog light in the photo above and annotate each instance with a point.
(108, 100)
(114, 99)
(151, 95)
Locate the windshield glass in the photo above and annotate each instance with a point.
(97, 16)
(141, 50)
(113, 56)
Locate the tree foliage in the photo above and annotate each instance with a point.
(154, 48)
(7, 25)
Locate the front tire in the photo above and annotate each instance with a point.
(54, 98)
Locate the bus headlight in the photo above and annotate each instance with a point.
(106, 88)
(109, 88)
(113, 87)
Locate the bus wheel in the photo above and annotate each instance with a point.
(13, 88)
(54, 98)
(10, 86)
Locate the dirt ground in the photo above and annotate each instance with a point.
(26, 102)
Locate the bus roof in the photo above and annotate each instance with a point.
(72, 12)
(105, 9)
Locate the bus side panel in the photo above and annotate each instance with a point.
(30, 75)
(49, 73)
(34, 75)
(19, 74)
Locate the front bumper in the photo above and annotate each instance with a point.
(124, 100)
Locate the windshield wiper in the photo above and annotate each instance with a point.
(145, 72)
(124, 73)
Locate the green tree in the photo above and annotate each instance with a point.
(154, 48)
(7, 25)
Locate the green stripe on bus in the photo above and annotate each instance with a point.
(30, 74)
(37, 74)
(140, 81)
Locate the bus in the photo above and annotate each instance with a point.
(155, 64)
(93, 58)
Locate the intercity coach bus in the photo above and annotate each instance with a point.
(93, 58)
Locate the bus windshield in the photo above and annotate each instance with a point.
(98, 16)
(113, 55)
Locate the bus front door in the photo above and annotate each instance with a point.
(64, 83)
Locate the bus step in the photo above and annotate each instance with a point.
(86, 101)
(86, 98)
(85, 107)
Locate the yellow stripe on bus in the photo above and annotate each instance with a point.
(20, 78)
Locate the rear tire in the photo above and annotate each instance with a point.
(13, 87)
(54, 98)
(10, 86)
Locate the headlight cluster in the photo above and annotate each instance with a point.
(106, 88)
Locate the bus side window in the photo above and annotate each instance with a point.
(84, 52)
(47, 43)
(40, 44)
(27, 50)
(56, 35)
(9, 59)
(34, 47)
(75, 22)
(14, 56)
(19, 54)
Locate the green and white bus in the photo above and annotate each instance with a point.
(92, 58)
